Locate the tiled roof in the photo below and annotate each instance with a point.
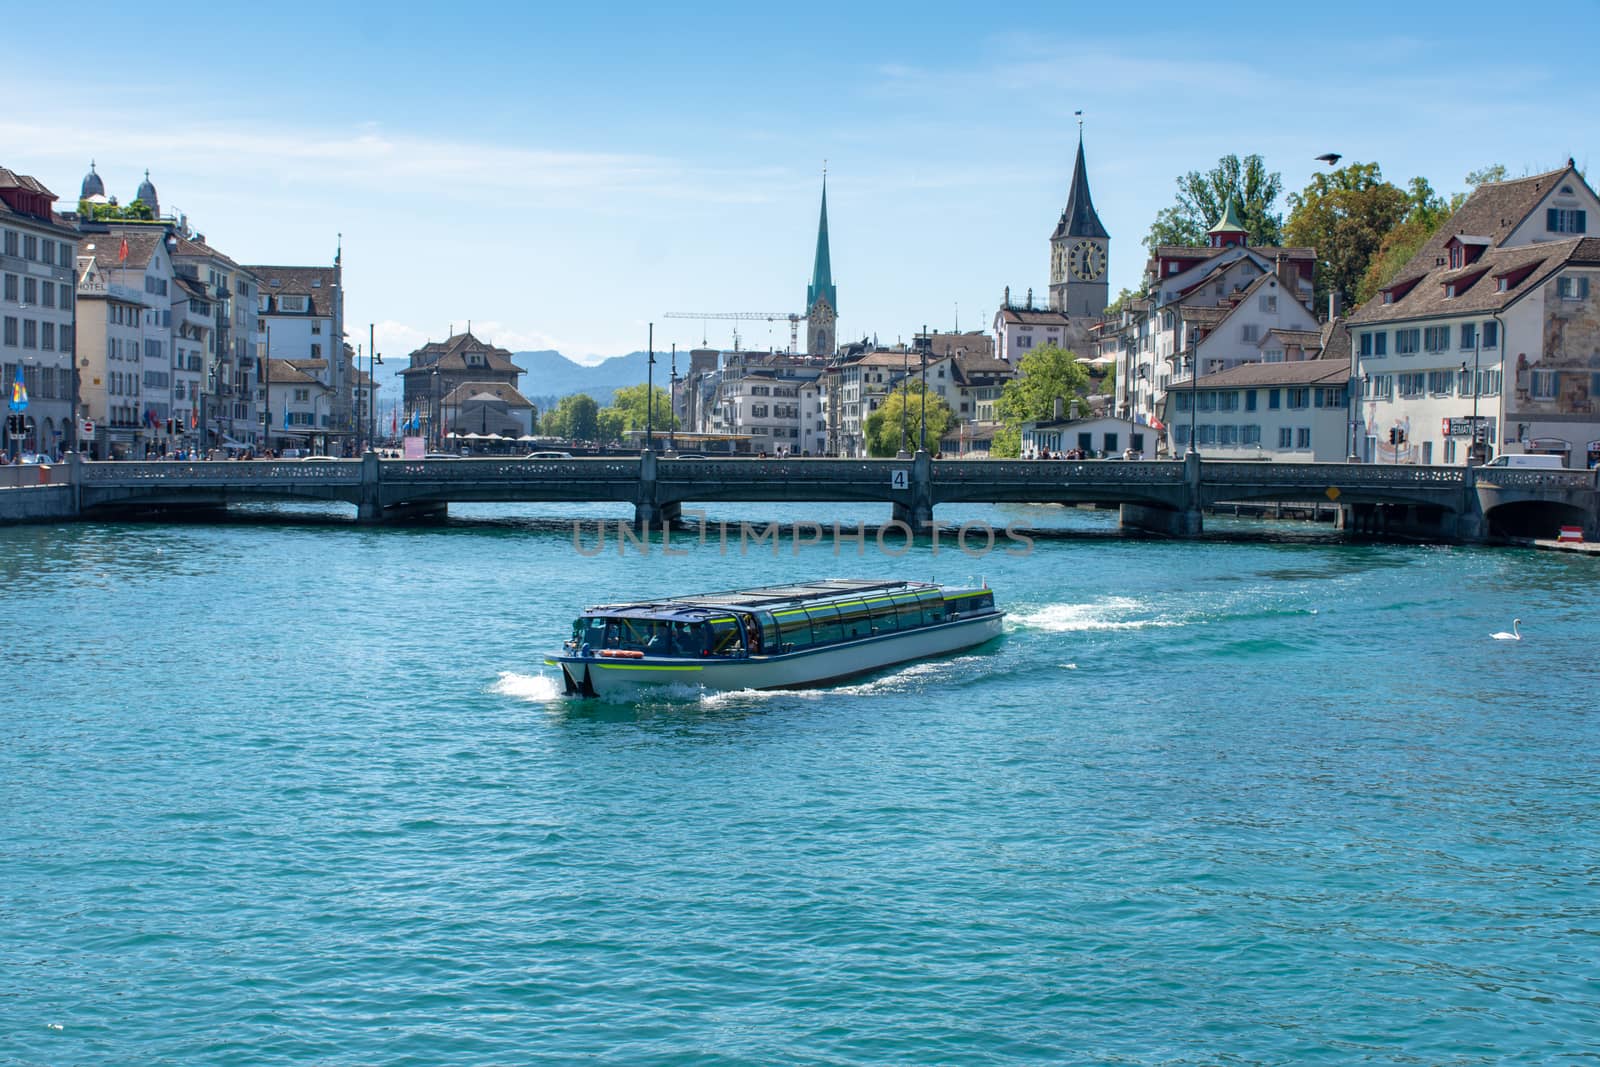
(1268, 252)
(318, 283)
(1205, 315)
(193, 246)
(10, 179)
(1492, 210)
(1034, 316)
(1427, 297)
(1335, 341)
(1251, 375)
(105, 247)
(284, 372)
(450, 355)
(469, 392)
(1303, 338)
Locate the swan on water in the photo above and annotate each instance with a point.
(1514, 635)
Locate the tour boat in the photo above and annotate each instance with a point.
(772, 637)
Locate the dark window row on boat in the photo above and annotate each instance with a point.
(787, 630)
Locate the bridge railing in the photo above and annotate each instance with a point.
(494, 469)
(811, 470)
(1054, 471)
(212, 472)
(1326, 474)
(1533, 478)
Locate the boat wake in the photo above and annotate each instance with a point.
(1108, 614)
(534, 688)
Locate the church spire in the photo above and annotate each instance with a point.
(1079, 219)
(822, 286)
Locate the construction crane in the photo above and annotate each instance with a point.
(745, 316)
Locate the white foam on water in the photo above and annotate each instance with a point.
(1096, 615)
(534, 688)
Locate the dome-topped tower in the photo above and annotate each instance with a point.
(147, 193)
(92, 185)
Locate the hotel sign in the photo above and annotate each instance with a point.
(1460, 427)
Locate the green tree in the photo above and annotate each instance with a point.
(1494, 172)
(1425, 213)
(883, 427)
(1202, 199)
(1045, 375)
(1345, 215)
(575, 418)
(630, 405)
(609, 425)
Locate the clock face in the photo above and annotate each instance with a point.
(1088, 261)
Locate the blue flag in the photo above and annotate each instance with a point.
(19, 393)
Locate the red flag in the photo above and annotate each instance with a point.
(194, 418)
(394, 423)
(122, 253)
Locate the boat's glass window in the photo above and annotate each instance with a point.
(933, 608)
(725, 639)
(825, 628)
(689, 639)
(855, 619)
(794, 629)
(884, 616)
(909, 610)
(627, 633)
(769, 632)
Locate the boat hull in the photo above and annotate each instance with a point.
(611, 678)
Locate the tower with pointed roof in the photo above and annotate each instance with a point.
(1079, 250)
(1229, 230)
(822, 298)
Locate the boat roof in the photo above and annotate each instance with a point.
(761, 598)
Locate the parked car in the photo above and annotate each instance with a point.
(441, 455)
(316, 459)
(548, 455)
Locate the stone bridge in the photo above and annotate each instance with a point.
(1452, 503)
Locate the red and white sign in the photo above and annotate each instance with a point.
(1571, 533)
(88, 427)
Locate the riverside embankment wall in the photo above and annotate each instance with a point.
(36, 503)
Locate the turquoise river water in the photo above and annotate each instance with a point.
(292, 792)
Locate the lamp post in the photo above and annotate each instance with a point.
(672, 403)
(1194, 398)
(266, 393)
(374, 361)
(922, 349)
(650, 394)
(435, 431)
(905, 395)
(1477, 345)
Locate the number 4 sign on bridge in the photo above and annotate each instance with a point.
(899, 479)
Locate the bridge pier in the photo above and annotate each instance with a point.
(917, 513)
(369, 506)
(1184, 521)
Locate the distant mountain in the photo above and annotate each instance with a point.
(548, 375)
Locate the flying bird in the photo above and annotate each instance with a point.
(1330, 158)
(1514, 635)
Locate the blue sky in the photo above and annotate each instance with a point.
(563, 177)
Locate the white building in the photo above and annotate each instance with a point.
(1019, 330)
(300, 406)
(37, 285)
(1493, 325)
(1287, 411)
(229, 400)
(300, 317)
(1192, 290)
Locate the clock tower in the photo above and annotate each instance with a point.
(1079, 250)
(822, 297)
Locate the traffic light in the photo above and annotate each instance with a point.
(1394, 435)
(1402, 434)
